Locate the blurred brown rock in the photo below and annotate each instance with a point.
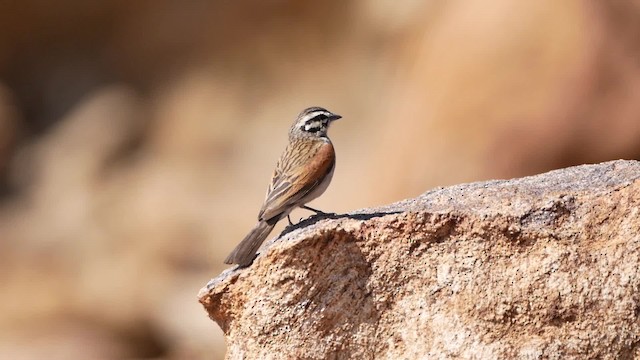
(537, 267)
(9, 123)
(511, 89)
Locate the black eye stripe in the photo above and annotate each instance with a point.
(314, 125)
(318, 120)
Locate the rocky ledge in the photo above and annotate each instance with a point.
(539, 267)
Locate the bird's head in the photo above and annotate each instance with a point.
(313, 121)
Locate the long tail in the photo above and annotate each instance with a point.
(245, 252)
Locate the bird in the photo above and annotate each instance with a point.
(303, 173)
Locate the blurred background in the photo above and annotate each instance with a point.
(137, 138)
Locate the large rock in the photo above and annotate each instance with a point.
(539, 267)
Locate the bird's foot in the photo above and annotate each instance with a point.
(319, 212)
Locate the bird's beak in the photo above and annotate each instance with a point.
(335, 117)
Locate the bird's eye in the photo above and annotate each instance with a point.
(320, 117)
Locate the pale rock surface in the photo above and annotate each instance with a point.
(538, 267)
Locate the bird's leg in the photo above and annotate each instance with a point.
(289, 218)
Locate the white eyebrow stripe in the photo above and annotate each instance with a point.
(314, 114)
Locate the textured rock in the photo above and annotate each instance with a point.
(538, 267)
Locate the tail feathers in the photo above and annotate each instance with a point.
(245, 252)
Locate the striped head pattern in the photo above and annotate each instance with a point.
(313, 121)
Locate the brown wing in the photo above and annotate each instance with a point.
(297, 174)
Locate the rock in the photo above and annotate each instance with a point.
(538, 267)
(9, 129)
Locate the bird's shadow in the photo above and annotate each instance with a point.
(323, 216)
(312, 220)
